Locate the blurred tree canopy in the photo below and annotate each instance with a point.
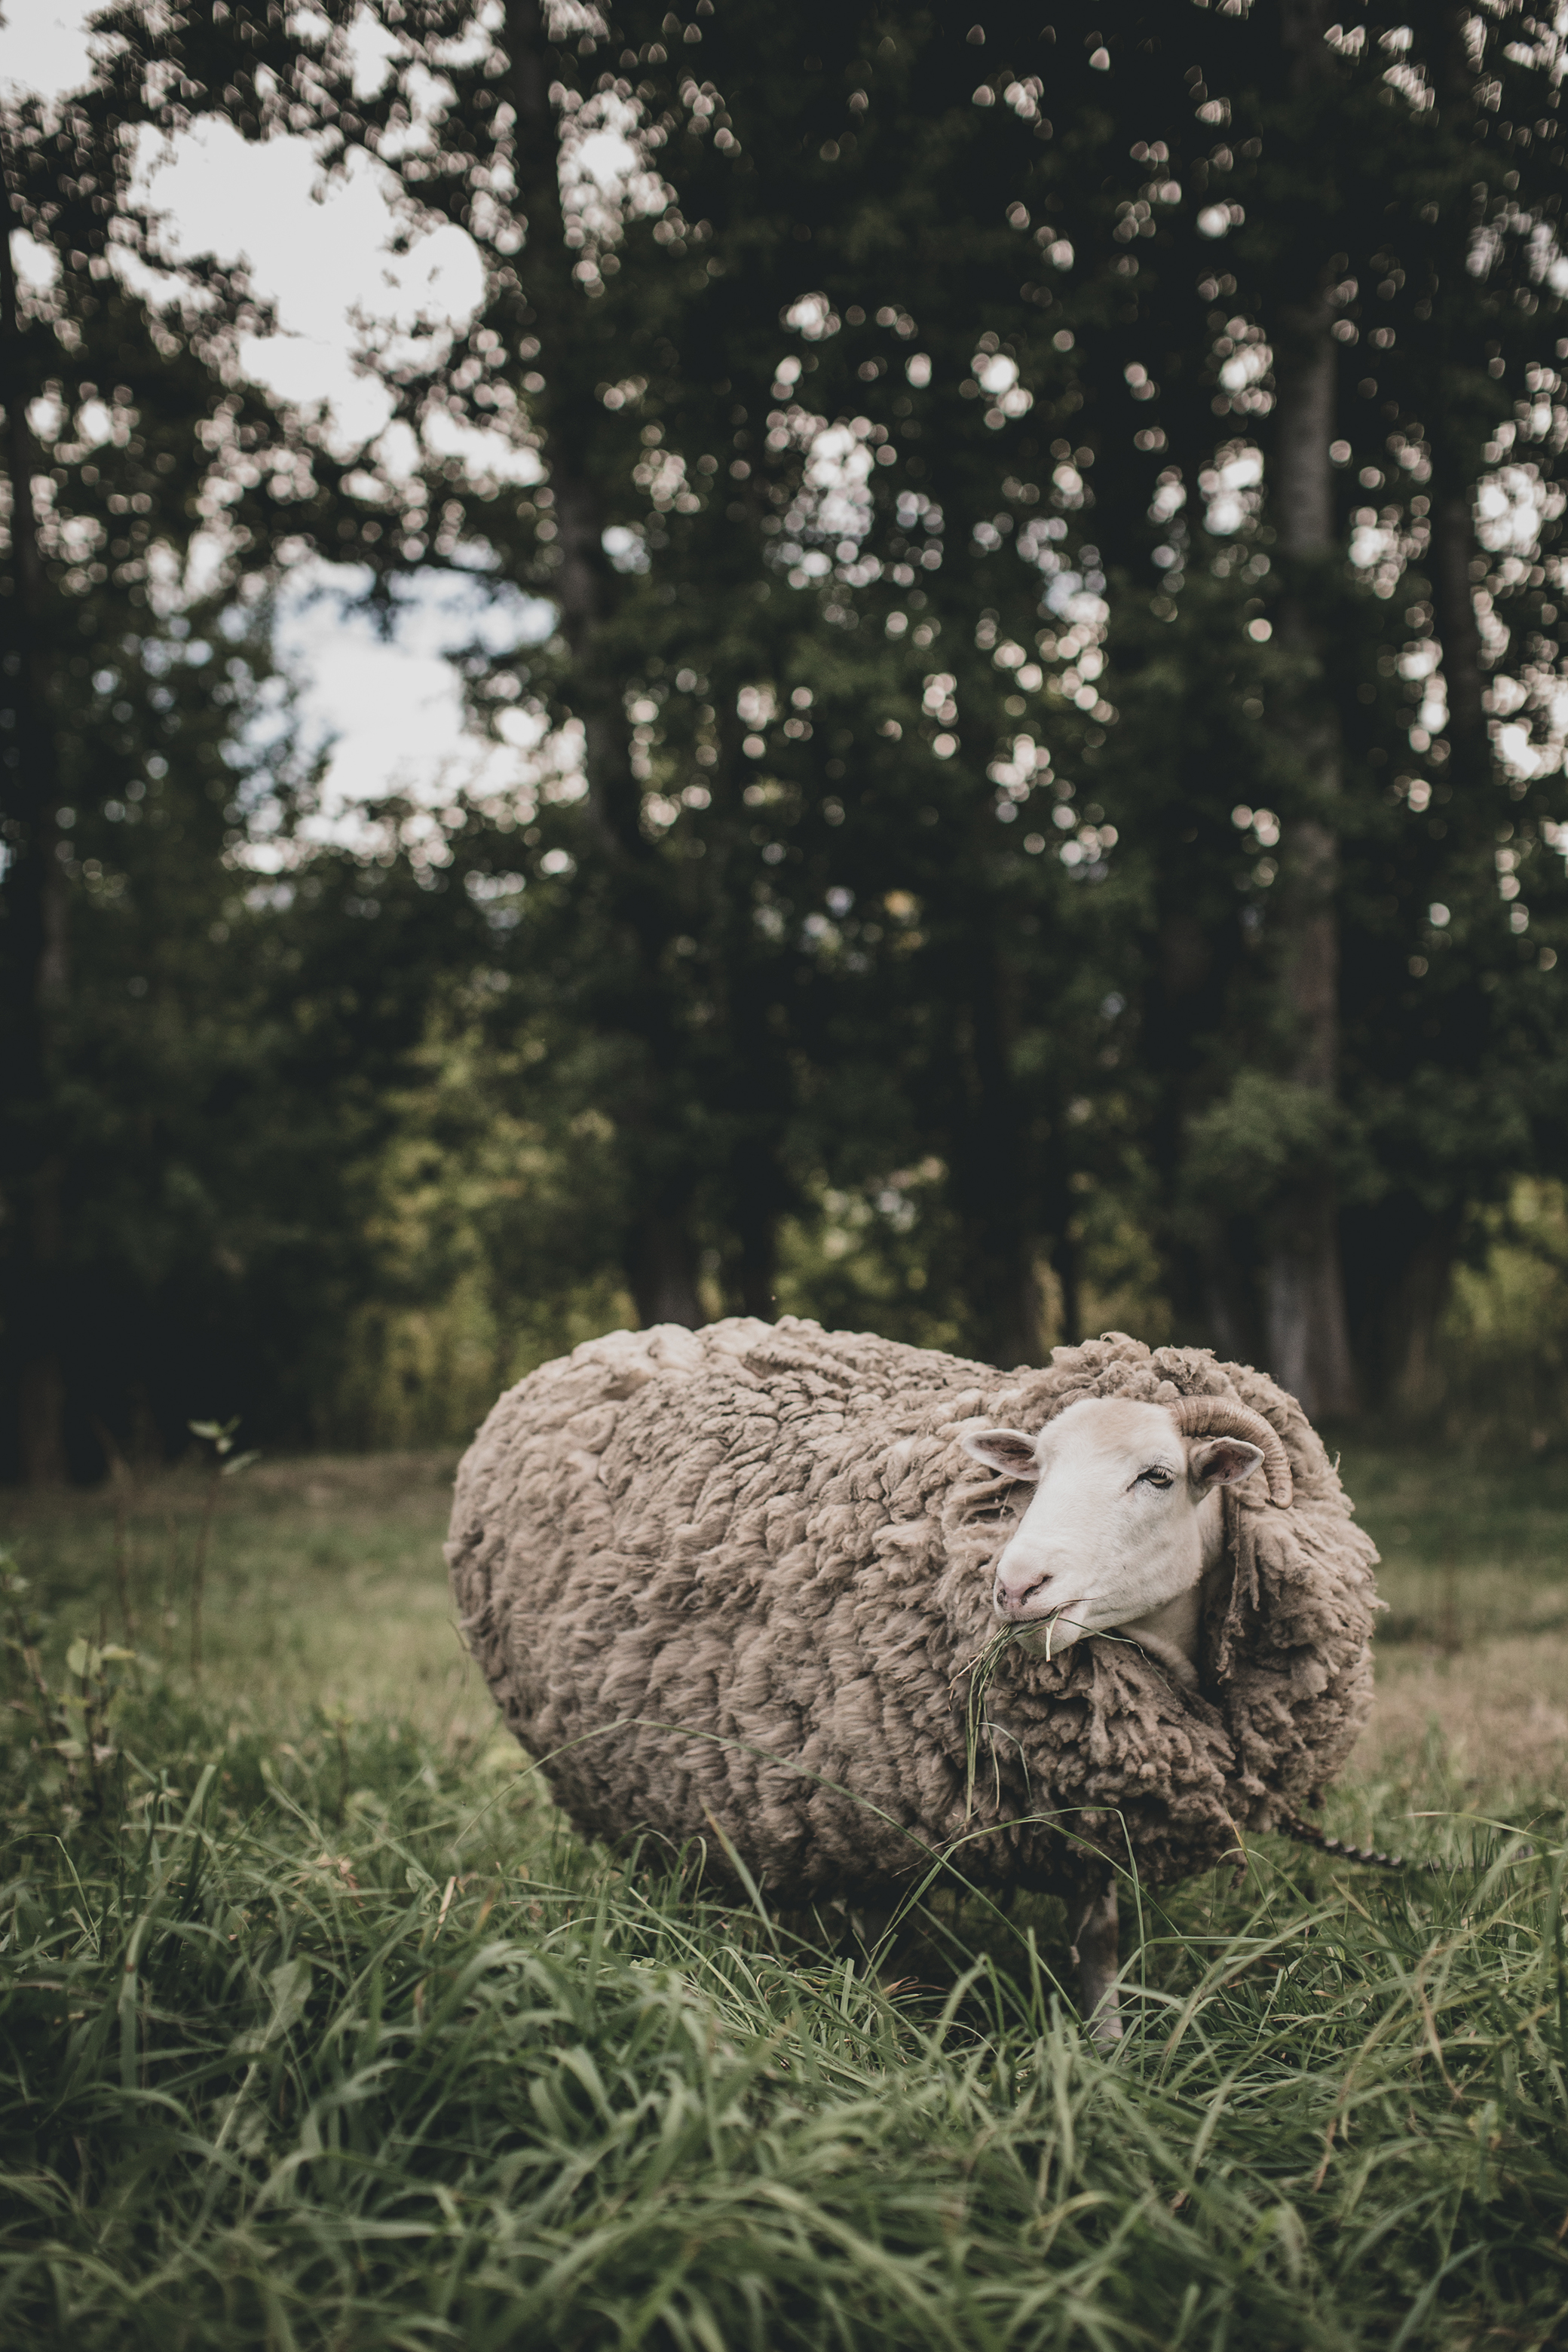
(1042, 794)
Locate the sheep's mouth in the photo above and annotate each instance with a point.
(1047, 1637)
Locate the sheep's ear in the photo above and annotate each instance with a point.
(1008, 1450)
(1223, 1461)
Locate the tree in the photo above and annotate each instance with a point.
(697, 947)
(35, 927)
(1319, 128)
(101, 403)
(941, 450)
(539, 365)
(138, 1128)
(1461, 287)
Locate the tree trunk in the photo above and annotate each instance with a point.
(756, 1191)
(661, 1253)
(34, 923)
(1408, 1250)
(1415, 1383)
(991, 1185)
(663, 1270)
(1304, 1300)
(1210, 1274)
(1417, 1260)
(1065, 1266)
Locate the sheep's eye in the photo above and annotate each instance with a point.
(1155, 1477)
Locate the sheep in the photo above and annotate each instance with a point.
(733, 1585)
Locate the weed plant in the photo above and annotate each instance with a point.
(326, 2033)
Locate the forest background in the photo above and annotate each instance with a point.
(1015, 588)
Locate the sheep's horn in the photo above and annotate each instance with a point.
(1217, 1417)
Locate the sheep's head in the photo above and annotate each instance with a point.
(1125, 1511)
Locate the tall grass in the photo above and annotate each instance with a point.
(356, 2048)
(317, 2030)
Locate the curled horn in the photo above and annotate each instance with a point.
(1203, 1416)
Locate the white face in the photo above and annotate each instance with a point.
(1124, 1501)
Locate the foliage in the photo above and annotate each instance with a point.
(929, 764)
(1506, 1336)
(497, 1197)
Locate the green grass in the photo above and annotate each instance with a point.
(316, 2029)
(1473, 1651)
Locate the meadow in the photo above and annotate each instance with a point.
(317, 2028)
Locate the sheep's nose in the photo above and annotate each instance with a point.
(1011, 1598)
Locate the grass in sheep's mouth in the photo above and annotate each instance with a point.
(322, 2033)
(982, 1673)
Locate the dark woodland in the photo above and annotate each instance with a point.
(1049, 807)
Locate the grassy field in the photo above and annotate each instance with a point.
(317, 2030)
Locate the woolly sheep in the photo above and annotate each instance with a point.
(732, 1585)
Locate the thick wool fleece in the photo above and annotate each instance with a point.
(728, 1585)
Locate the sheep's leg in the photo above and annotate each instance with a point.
(864, 1925)
(1094, 1948)
(870, 1923)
